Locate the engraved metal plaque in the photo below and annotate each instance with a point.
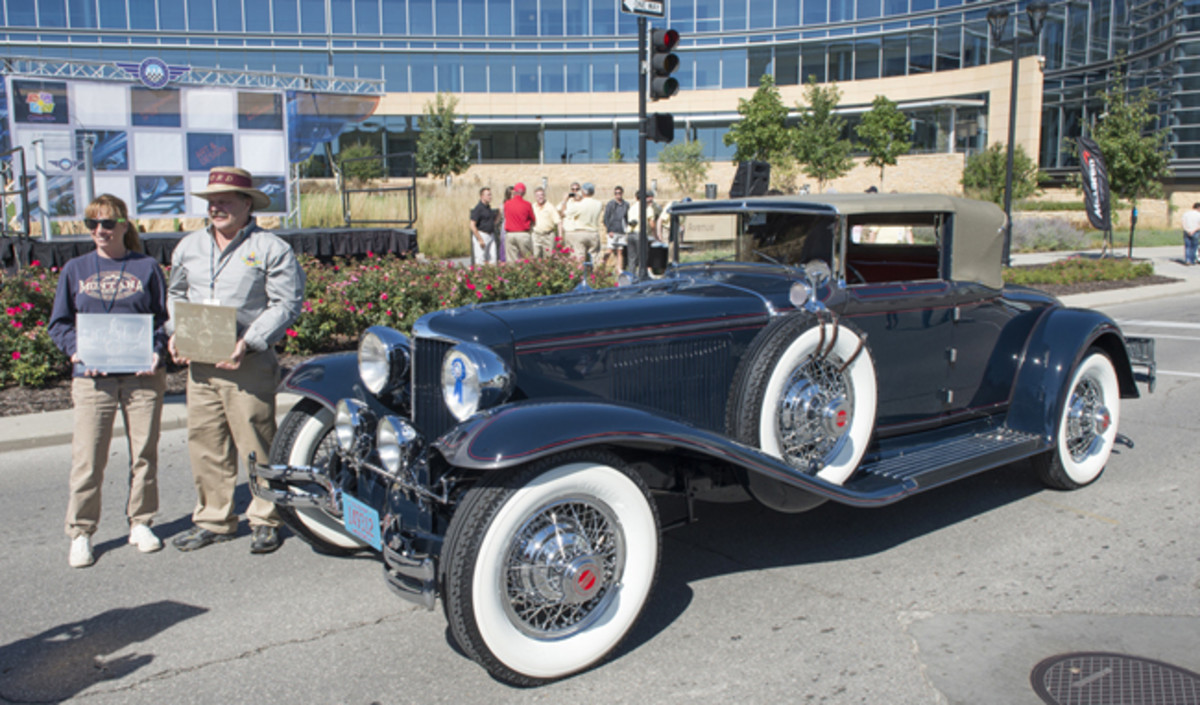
(204, 332)
(114, 343)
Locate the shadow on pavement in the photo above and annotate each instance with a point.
(65, 660)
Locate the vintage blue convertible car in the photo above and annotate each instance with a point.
(519, 459)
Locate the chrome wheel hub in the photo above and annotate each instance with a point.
(563, 568)
(1088, 419)
(814, 414)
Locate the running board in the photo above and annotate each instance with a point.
(932, 465)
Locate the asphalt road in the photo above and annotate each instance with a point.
(950, 597)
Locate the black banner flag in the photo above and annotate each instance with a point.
(1097, 199)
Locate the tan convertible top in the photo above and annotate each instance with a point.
(975, 240)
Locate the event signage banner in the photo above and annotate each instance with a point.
(1097, 199)
(151, 147)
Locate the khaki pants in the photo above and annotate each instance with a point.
(231, 413)
(518, 246)
(543, 244)
(583, 243)
(97, 400)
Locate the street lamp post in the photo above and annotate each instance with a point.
(997, 18)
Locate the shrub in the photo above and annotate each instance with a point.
(345, 298)
(1074, 270)
(365, 169)
(1034, 233)
(27, 355)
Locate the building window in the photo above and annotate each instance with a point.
(526, 18)
(733, 68)
(500, 73)
(286, 17)
(758, 63)
(200, 16)
(366, 16)
(474, 18)
(604, 73)
(603, 18)
(812, 64)
(312, 16)
(499, 18)
(112, 14)
(420, 17)
(526, 73)
(552, 18)
(866, 59)
(841, 57)
(170, 14)
(787, 65)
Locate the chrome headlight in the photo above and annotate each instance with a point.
(474, 378)
(351, 425)
(383, 359)
(397, 442)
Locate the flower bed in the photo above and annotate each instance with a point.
(341, 300)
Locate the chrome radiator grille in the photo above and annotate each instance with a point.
(429, 413)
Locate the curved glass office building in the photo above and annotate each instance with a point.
(555, 80)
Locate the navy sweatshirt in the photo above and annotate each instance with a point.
(94, 284)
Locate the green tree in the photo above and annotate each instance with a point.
(784, 171)
(762, 131)
(1135, 155)
(685, 163)
(983, 177)
(442, 146)
(885, 133)
(818, 143)
(360, 170)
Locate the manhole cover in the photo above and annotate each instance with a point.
(1113, 679)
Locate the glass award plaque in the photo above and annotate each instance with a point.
(205, 332)
(114, 343)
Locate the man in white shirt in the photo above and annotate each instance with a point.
(1191, 234)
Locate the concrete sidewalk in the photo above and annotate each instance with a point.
(55, 427)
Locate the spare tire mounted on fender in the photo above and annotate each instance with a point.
(806, 393)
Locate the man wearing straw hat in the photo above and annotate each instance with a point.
(231, 404)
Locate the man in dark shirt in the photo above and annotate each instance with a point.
(483, 229)
(615, 214)
(518, 225)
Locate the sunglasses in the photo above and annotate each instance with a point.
(107, 223)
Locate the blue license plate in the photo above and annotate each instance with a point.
(361, 521)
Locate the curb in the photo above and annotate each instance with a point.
(56, 428)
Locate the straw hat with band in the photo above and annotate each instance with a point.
(230, 179)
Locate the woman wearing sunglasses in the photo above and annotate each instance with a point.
(116, 278)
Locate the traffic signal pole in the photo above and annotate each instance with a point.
(643, 248)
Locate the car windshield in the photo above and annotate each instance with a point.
(760, 236)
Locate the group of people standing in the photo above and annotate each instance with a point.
(230, 404)
(591, 230)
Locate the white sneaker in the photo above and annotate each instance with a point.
(81, 552)
(143, 537)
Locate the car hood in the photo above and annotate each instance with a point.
(712, 295)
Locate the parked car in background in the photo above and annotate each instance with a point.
(518, 460)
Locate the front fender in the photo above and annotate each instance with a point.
(1055, 347)
(525, 431)
(328, 378)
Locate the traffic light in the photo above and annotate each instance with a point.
(663, 62)
(660, 127)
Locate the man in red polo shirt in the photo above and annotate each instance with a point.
(518, 225)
